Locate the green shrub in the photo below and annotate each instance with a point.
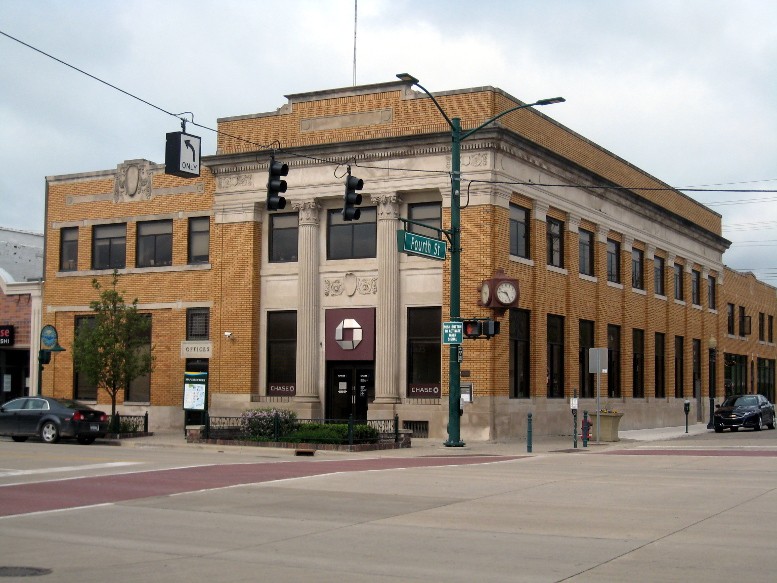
(332, 433)
(261, 424)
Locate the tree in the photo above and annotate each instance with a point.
(113, 349)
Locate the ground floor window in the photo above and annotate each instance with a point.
(281, 353)
(83, 388)
(613, 361)
(735, 374)
(679, 366)
(519, 354)
(660, 366)
(555, 357)
(139, 390)
(766, 378)
(424, 352)
(586, 335)
(638, 364)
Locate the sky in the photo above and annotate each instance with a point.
(685, 90)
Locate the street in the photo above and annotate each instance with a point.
(703, 507)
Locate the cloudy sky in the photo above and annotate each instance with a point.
(686, 90)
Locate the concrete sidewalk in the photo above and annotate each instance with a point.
(430, 446)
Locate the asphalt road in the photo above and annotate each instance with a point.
(702, 508)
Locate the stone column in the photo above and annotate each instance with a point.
(308, 352)
(387, 339)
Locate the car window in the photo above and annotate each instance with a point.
(748, 401)
(14, 405)
(35, 404)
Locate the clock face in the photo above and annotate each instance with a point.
(485, 293)
(506, 292)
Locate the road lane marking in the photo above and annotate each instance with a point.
(6, 472)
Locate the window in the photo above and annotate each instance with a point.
(197, 324)
(424, 351)
(587, 387)
(555, 235)
(696, 366)
(678, 282)
(730, 319)
(638, 363)
(660, 367)
(83, 388)
(744, 329)
(735, 374)
(199, 239)
(770, 329)
(555, 357)
(637, 267)
(283, 238)
(766, 380)
(281, 353)
(695, 288)
(586, 239)
(68, 249)
(155, 244)
(429, 213)
(352, 239)
(613, 361)
(519, 231)
(712, 301)
(679, 366)
(109, 246)
(139, 390)
(762, 327)
(613, 261)
(658, 276)
(519, 354)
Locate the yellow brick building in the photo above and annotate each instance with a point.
(299, 309)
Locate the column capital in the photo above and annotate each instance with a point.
(308, 212)
(388, 205)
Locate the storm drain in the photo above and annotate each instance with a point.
(23, 571)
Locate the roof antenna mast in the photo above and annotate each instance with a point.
(355, 13)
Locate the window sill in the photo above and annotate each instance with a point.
(524, 260)
(696, 307)
(615, 285)
(660, 297)
(590, 278)
(679, 302)
(639, 291)
(554, 269)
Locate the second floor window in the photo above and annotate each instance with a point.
(712, 293)
(730, 319)
(658, 276)
(429, 213)
(613, 261)
(586, 239)
(679, 294)
(284, 229)
(637, 266)
(519, 231)
(68, 249)
(199, 239)
(555, 231)
(695, 288)
(109, 246)
(352, 239)
(155, 244)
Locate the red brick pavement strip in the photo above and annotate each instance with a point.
(697, 452)
(79, 492)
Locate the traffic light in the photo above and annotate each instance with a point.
(352, 199)
(473, 328)
(276, 185)
(490, 328)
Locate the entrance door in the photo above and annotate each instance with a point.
(349, 388)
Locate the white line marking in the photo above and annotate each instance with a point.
(8, 472)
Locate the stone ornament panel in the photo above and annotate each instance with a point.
(350, 285)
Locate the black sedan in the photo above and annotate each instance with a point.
(737, 411)
(51, 419)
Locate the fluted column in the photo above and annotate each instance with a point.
(308, 353)
(387, 340)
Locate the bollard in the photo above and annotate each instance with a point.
(528, 435)
(585, 428)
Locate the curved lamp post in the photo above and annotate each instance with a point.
(713, 346)
(454, 237)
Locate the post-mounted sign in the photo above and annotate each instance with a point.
(182, 155)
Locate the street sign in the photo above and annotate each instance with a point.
(597, 360)
(452, 332)
(182, 155)
(414, 244)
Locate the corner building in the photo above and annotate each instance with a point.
(299, 309)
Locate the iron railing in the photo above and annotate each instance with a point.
(340, 431)
(129, 423)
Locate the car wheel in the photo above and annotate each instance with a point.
(735, 429)
(771, 425)
(758, 423)
(19, 438)
(49, 432)
(718, 429)
(85, 440)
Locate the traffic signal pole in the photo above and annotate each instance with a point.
(454, 236)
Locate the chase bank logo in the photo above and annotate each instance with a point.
(356, 334)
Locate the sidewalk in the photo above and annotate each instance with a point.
(430, 446)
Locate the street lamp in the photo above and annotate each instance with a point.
(454, 236)
(713, 346)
